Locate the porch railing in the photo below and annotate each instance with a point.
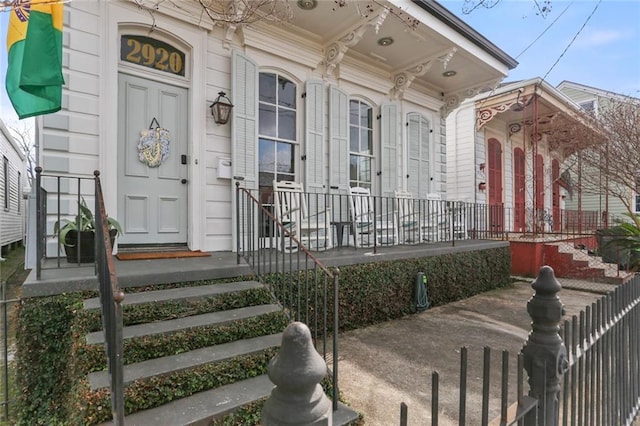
(111, 297)
(305, 288)
(65, 194)
(58, 198)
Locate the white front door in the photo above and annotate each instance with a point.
(152, 199)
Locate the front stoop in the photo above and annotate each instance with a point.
(568, 261)
(203, 407)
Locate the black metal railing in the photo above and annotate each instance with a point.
(602, 385)
(59, 198)
(514, 407)
(306, 289)
(111, 297)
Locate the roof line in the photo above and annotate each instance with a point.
(457, 24)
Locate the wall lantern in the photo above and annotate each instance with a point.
(221, 108)
(482, 186)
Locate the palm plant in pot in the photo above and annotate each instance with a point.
(78, 235)
(621, 243)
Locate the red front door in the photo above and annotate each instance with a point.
(496, 209)
(518, 189)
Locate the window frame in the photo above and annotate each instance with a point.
(277, 139)
(371, 156)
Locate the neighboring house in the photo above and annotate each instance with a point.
(506, 148)
(12, 179)
(337, 96)
(594, 195)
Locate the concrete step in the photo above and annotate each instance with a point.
(201, 408)
(186, 360)
(182, 293)
(170, 326)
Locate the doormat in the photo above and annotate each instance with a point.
(161, 255)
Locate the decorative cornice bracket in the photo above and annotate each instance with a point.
(403, 79)
(336, 50)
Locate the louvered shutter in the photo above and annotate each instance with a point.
(314, 136)
(413, 154)
(338, 140)
(389, 129)
(244, 142)
(244, 145)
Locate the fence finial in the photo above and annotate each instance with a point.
(545, 356)
(298, 399)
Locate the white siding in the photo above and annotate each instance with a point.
(12, 209)
(81, 138)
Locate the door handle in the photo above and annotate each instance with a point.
(184, 181)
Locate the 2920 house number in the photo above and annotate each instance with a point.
(152, 53)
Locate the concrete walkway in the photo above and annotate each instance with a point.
(386, 364)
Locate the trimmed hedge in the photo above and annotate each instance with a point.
(384, 290)
(49, 329)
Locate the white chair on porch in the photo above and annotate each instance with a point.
(367, 228)
(312, 230)
(434, 223)
(408, 219)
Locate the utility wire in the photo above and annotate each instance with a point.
(573, 39)
(545, 30)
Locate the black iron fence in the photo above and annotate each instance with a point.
(7, 393)
(306, 289)
(590, 376)
(602, 385)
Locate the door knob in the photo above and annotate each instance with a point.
(183, 181)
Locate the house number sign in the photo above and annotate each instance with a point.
(152, 53)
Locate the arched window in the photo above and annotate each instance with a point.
(360, 143)
(277, 133)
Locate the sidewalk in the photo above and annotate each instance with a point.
(389, 363)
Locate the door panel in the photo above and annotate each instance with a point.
(152, 200)
(519, 188)
(496, 207)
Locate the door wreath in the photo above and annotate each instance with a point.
(153, 147)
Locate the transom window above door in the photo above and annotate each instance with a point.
(277, 117)
(360, 143)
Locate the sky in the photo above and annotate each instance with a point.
(605, 54)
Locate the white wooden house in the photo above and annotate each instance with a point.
(506, 148)
(12, 179)
(336, 96)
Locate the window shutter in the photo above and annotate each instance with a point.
(244, 145)
(413, 154)
(338, 140)
(389, 129)
(314, 138)
(244, 141)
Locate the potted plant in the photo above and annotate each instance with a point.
(80, 234)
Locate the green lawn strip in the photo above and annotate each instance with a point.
(173, 309)
(150, 347)
(182, 284)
